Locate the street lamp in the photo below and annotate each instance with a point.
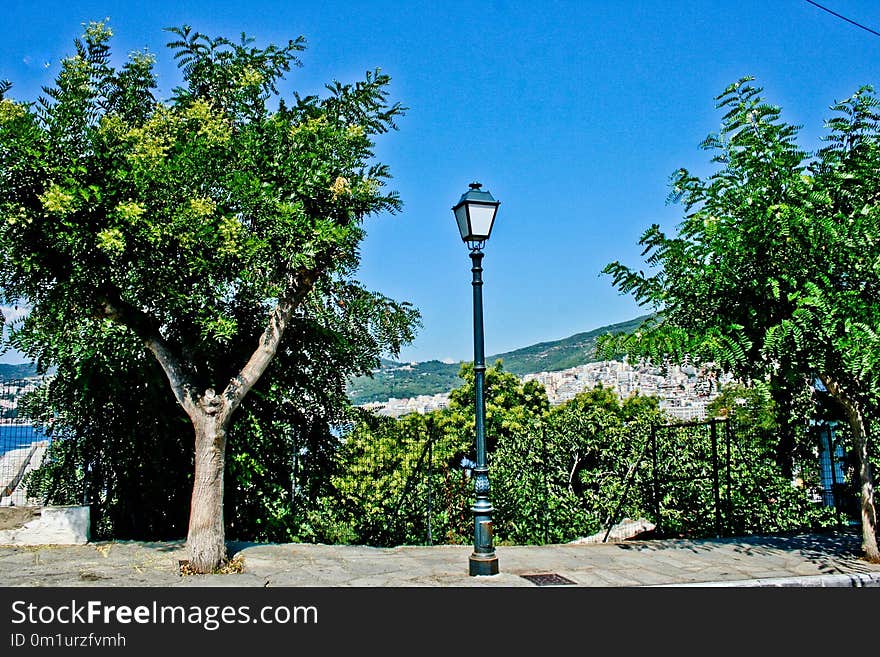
(475, 214)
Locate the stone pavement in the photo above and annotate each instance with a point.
(799, 560)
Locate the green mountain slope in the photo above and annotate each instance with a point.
(10, 372)
(561, 354)
(429, 378)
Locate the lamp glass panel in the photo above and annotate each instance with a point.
(461, 218)
(481, 220)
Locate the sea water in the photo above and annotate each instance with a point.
(16, 436)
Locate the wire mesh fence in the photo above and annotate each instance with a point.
(409, 481)
(422, 493)
(713, 478)
(22, 447)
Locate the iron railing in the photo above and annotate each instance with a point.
(711, 478)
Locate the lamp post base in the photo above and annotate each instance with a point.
(483, 564)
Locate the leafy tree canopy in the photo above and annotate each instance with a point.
(192, 217)
(218, 227)
(748, 405)
(773, 272)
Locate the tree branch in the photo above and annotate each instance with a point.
(241, 384)
(115, 309)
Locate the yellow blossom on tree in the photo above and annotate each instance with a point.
(202, 207)
(9, 111)
(130, 211)
(111, 241)
(355, 131)
(56, 200)
(250, 77)
(230, 232)
(21, 215)
(340, 187)
(213, 126)
(311, 125)
(151, 143)
(98, 31)
(112, 125)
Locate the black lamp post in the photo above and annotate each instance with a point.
(475, 214)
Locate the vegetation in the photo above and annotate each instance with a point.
(557, 474)
(562, 354)
(773, 274)
(746, 405)
(403, 381)
(190, 262)
(120, 442)
(217, 229)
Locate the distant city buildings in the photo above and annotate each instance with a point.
(397, 407)
(684, 391)
(11, 391)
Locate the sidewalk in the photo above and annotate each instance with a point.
(800, 560)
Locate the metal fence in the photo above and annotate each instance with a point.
(22, 448)
(712, 478)
(692, 471)
(693, 479)
(433, 505)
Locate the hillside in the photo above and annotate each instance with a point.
(429, 378)
(10, 372)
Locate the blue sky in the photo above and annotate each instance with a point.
(573, 114)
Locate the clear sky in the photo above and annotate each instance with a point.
(573, 114)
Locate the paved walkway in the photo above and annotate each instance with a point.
(801, 560)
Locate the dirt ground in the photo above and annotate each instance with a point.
(13, 517)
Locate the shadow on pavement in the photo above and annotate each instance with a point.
(832, 552)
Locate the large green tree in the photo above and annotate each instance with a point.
(123, 444)
(210, 225)
(774, 271)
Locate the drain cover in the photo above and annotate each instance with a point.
(549, 579)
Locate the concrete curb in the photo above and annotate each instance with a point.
(837, 580)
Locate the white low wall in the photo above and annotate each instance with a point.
(56, 525)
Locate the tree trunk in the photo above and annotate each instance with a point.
(211, 415)
(206, 538)
(869, 511)
(866, 478)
